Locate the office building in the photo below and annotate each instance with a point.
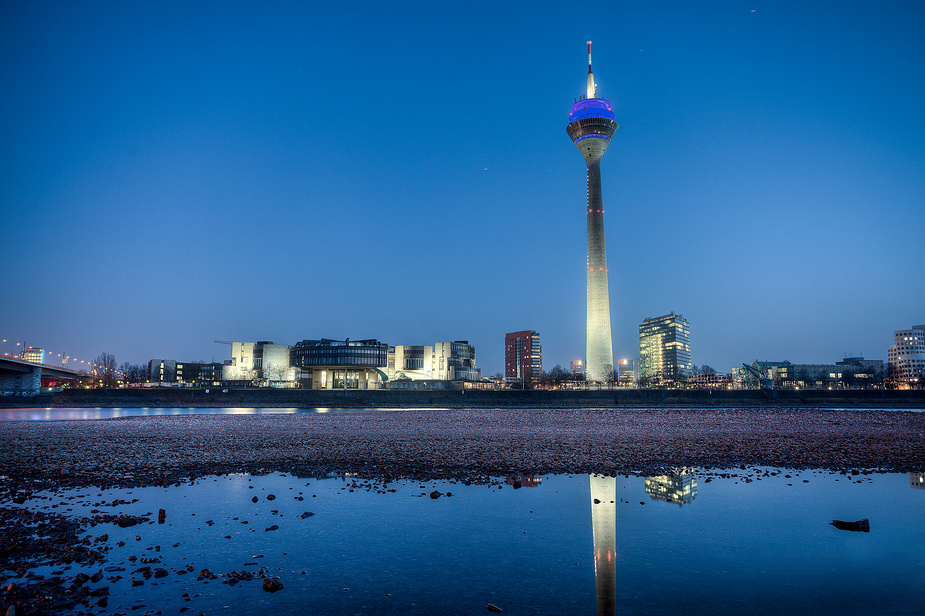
(627, 371)
(170, 371)
(455, 361)
(591, 127)
(35, 355)
(257, 361)
(341, 364)
(523, 356)
(664, 349)
(907, 355)
(410, 362)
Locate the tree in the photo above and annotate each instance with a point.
(848, 379)
(610, 376)
(557, 376)
(276, 372)
(133, 373)
(705, 369)
(105, 368)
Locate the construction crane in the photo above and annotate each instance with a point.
(223, 341)
(762, 382)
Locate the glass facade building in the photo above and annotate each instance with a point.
(326, 352)
(664, 348)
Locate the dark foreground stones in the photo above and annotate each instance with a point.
(271, 585)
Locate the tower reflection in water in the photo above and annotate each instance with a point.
(604, 527)
(679, 486)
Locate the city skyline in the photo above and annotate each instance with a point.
(175, 175)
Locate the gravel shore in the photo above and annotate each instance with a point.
(464, 444)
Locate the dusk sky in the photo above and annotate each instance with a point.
(176, 173)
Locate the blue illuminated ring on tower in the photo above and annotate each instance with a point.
(591, 117)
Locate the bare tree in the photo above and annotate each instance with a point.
(277, 372)
(557, 375)
(105, 368)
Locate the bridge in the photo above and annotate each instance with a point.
(24, 378)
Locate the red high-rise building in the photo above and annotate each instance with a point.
(523, 356)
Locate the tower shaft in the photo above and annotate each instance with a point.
(599, 345)
(591, 127)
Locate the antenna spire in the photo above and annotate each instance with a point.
(591, 84)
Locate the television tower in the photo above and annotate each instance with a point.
(591, 126)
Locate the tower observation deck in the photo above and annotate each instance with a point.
(591, 127)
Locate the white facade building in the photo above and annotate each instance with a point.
(411, 362)
(258, 360)
(907, 354)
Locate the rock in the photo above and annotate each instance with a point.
(255, 499)
(435, 495)
(271, 585)
(205, 573)
(271, 497)
(274, 527)
(307, 514)
(161, 516)
(96, 577)
(861, 526)
(81, 578)
(493, 608)
(160, 573)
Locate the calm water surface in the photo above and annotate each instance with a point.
(756, 542)
(58, 414)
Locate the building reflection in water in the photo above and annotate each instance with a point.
(604, 527)
(917, 481)
(524, 480)
(679, 486)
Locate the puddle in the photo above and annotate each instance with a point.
(752, 541)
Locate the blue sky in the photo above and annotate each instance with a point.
(175, 173)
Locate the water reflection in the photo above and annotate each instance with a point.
(679, 486)
(917, 481)
(524, 480)
(604, 528)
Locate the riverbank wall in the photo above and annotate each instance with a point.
(282, 398)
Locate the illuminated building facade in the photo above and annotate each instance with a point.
(627, 371)
(851, 372)
(664, 348)
(413, 362)
(591, 127)
(523, 356)
(341, 364)
(907, 354)
(261, 360)
(455, 361)
(577, 368)
(35, 355)
(163, 371)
